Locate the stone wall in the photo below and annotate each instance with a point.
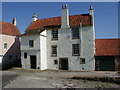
(117, 63)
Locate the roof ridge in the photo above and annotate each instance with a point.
(6, 22)
(61, 16)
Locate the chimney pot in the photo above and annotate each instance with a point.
(66, 6)
(34, 18)
(91, 7)
(14, 22)
(62, 6)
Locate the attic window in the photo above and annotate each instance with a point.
(54, 34)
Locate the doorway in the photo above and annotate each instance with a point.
(105, 63)
(33, 61)
(63, 63)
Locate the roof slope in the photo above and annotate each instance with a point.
(8, 29)
(74, 20)
(107, 47)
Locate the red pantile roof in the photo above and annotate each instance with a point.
(8, 29)
(74, 20)
(107, 47)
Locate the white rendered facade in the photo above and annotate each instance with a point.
(43, 43)
(38, 50)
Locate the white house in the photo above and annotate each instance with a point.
(61, 43)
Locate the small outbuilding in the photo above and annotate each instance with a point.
(107, 57)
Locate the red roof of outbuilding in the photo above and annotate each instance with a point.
(8, 29)
(107, 47)
(74, 20)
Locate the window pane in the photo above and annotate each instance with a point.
(55, 62)
(75, 49)
(75, 33)
(54, 50)
(5, 45)
(54, 34)
(82, 60)
(31, 43)
(25, 55)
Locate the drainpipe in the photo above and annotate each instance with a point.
(81, 44)
(81, 54)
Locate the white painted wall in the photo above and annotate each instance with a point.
(30, 51)
(25, 42)
(26, 64)
(64, 44)
(43, 50)
(1, 59)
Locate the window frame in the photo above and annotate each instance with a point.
(73, 51)
(76, 31)
(81, 61)
(53, 33)
(25, 55)
(55, 62)
(6, 46)
(53, 55)
(31, 45)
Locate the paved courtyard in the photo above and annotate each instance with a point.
(20, 78)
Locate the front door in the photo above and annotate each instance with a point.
(63, 63)
(33, 61)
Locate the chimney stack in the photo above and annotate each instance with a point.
(65, 17)
(34, 18)
(91, 13)
(14, 22)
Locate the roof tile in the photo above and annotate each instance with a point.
(56, 21)
(107, 47)
(8, 29)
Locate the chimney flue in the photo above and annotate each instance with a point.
(65, 17)
(14, 22)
